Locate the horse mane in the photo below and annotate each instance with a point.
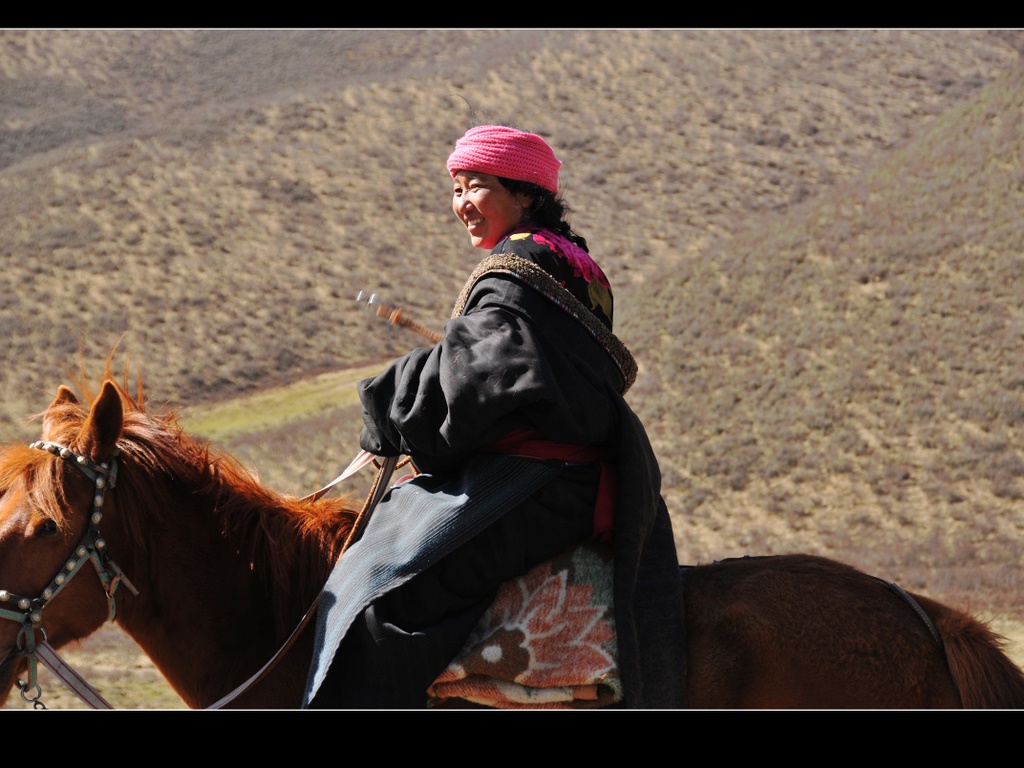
(292, 544)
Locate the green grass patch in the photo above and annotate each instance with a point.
(272, 408)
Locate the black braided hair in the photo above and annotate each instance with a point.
(548, 209)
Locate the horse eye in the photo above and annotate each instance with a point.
(46, 528)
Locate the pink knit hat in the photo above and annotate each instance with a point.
(506, 152)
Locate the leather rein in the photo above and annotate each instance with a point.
(386, 469)
(377, 491)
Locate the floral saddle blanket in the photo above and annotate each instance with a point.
(547, 642)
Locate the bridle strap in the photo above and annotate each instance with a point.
(73, 681)
(104, 477)
(91, 547)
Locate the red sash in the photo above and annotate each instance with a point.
(531, 444)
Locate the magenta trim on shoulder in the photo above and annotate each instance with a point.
(582, 262)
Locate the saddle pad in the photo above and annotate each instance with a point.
(547, 642)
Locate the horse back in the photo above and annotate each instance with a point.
(798, 631)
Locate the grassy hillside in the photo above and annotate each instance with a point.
(847, 378)
(218, 198)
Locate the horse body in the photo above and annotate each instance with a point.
(803, 631)
(225, 569)
(208, 616)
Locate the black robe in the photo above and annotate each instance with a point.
(521, 351)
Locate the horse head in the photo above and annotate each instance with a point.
(52, 497)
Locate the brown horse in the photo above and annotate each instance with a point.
(225, 569)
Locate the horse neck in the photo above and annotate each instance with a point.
(209, 614)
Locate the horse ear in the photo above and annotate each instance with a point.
(64, 395)
(101, 430)
(52, 420)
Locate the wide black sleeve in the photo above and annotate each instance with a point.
(492, 372)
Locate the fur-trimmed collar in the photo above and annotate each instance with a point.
(536, 278)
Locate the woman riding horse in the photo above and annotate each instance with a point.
(525, 446)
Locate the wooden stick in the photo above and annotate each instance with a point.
(395, 316)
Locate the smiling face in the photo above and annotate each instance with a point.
(486, 208)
